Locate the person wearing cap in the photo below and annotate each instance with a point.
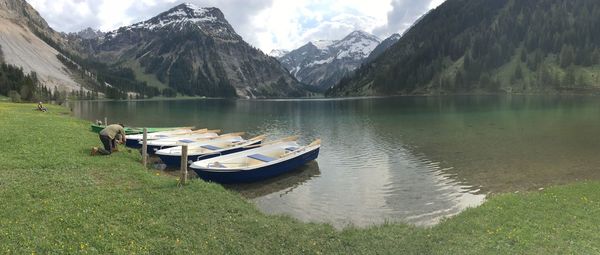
(40, 107)
(109, 136)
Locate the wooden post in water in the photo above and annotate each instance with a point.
(184, 165)
(145, 148)
(105, 121)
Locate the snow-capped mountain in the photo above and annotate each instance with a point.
(323, 63)
(211, 21)
(278, 53)
(383, 46)
(195, 51)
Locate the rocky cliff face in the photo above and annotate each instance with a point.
(28, 42)
(196, 52)
(87, 34)
(322, 64)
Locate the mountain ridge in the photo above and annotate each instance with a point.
(321, 64)
(382, 47)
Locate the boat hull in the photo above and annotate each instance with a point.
(259, 174)
(175, 161)
(133, 143)
(152, 149)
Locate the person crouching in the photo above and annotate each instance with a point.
(110, 136)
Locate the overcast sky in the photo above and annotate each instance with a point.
(266, 24)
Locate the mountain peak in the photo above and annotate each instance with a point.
(88, 33)
(277, 53)
(189, 10)
(323, 44)
(191, 6)
(208, 19)
(359, 33)
(362, 35)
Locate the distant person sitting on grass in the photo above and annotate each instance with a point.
(40, 107)
(109, 136)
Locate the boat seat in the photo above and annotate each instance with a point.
(261, 157)
(186, 141)
(291, 148)
(210, 147)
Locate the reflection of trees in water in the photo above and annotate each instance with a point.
(287, 182)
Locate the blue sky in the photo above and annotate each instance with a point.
(266, 24)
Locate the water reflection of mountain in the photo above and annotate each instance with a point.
(283, 184)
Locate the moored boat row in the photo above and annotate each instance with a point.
(133, 141)
(227, 158)
(223, 145)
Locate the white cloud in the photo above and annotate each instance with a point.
(266, 24)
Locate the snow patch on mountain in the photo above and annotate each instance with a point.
(278, 53)
(191, 14)
(321, 62)
(323, 44)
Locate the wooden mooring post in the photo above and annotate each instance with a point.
(184, 165)
(145, 148)
(105, 121)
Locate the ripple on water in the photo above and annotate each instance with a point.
(372, 184)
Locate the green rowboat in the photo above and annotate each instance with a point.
(132, 130)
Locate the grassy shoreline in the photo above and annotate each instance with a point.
(58, 199)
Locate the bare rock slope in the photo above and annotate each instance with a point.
(22, 47)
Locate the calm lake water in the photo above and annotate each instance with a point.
(409, 159)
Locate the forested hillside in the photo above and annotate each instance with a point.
(490, 46)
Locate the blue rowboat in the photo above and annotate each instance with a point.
(267, 161)
(219, 146)
(158, 144)
(133, 141)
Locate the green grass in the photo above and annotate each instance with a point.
(140, 75)
(57, 199)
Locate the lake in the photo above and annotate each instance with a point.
(402, 159)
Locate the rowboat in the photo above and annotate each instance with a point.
(268, 160)
(219, 146)
(133, 141)
(155, 145)
(132, 130)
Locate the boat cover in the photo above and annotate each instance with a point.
(210, 147)
(261, 157)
